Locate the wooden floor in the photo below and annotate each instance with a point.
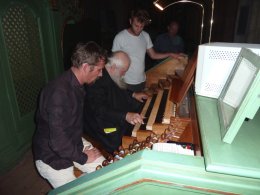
(23, 179)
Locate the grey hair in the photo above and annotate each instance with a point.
(115, 59)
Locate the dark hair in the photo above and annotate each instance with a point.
(141, 15)
(90, 53)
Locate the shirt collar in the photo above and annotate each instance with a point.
(74, 80)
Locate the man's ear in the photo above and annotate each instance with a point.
(85, 67)
(130, 21)
(113, 67)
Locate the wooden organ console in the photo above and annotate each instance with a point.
(171, 104)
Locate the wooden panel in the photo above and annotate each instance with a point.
(167, 67)
(137, 126)
(181, 85)
(169, 109)
(153, 114)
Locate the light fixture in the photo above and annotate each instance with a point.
(211, 20)
(158, 5)
(162, 7)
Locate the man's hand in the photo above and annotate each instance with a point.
(141, 96)
(134, 118)
(93, 154)
(178, 55)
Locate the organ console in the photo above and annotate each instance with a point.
(171, 104)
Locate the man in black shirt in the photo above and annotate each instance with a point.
(110, 109)
(58, 144)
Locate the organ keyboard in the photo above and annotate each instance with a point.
(171, 104)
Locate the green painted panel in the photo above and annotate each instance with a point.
(158, 170)
(239, 158)
(29, 57)
(22, 41)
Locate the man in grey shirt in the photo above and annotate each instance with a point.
(136, 42)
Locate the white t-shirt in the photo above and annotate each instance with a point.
(135, 47)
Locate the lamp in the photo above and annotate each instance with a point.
(158, 5)
(162, 7)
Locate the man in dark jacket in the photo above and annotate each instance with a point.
(58, 143)
(111, 110)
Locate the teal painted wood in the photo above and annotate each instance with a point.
(38, 53)
(239, 158)
(150, 172)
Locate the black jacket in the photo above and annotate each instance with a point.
(106, 106)
(57, 140)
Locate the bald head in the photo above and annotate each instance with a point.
(120, 59)
(117, 66)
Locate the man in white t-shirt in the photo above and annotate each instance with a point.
(136, 42)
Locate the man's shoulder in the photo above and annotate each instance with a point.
(63, 78)
(120, 39)
(144, 33)
(60, 82)
(122, 33)
(163, 36)
(179, 37)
